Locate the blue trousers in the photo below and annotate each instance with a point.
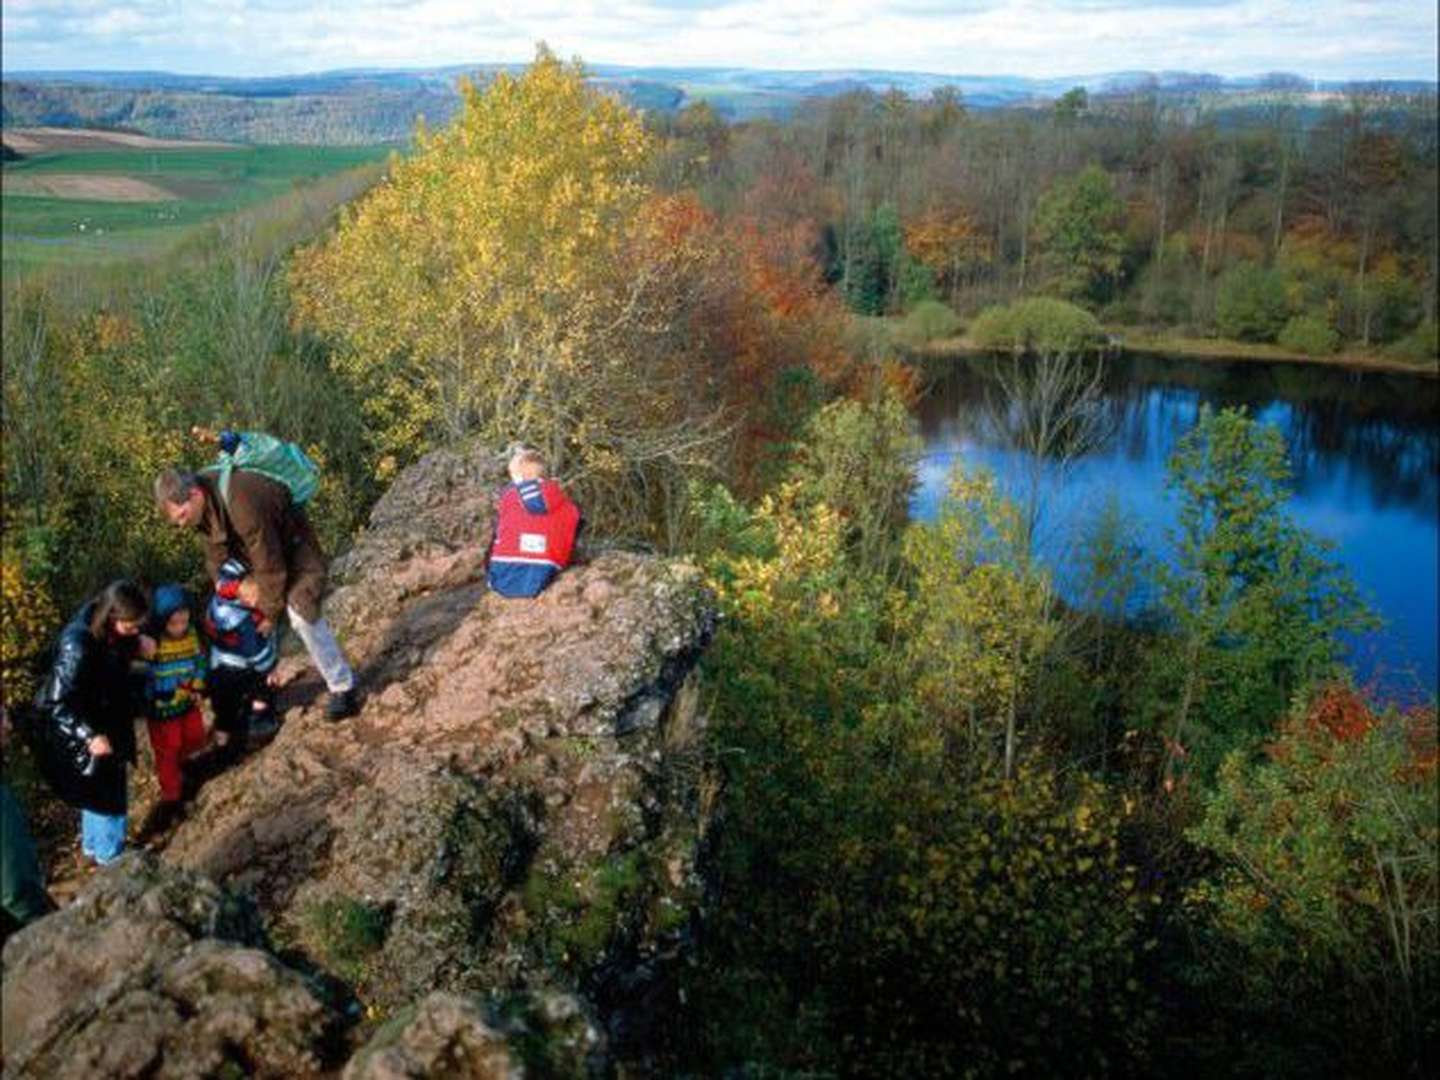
(102, 836)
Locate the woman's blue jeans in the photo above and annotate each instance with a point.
(102, 836)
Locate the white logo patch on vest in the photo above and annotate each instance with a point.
(532, 543)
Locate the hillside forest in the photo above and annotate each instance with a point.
(964, 827)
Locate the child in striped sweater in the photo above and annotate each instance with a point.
(175, 681)
(242, 662)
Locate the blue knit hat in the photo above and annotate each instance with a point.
(169, 599)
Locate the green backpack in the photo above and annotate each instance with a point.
(275, 459)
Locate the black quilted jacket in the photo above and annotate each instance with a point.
(91, 690)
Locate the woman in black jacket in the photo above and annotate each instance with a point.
(90, 701)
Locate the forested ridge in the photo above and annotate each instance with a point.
(963, 827)
(1314, 226)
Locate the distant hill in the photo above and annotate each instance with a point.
(370, 105)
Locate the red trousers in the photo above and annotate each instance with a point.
(173, 741)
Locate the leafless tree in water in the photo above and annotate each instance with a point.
(1049, 405)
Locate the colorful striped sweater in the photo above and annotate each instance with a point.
(176, 675)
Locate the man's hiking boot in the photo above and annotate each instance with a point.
(263, 729)
(341, 704)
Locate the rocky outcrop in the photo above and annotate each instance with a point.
(154, 971)
(450, 1035)
(512, 821)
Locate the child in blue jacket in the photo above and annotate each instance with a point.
(242, 662)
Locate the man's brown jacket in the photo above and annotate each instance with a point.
(259, 526)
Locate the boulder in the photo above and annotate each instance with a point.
(546, 1034)
(156, 971)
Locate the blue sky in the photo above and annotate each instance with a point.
(1332, 39)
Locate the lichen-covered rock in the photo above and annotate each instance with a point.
(541, 1034)
(517, 804)
(444, 1035)
(154, 971)
(427, 532)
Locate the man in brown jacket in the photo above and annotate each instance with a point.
(258, 525)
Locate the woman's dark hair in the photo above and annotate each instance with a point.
(121, 599)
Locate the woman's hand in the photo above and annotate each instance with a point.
(147, 646)
(99, 746)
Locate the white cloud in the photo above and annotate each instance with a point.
(1325, 38)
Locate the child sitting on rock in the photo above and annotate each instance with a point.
(535, 529)
(175, 681)
(242, 663)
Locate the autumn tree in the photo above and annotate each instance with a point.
(515, 277)
(1077, 229)
(1329, 883)
(950, 243)
(982, 619)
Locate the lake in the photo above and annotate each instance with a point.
(1364, 450)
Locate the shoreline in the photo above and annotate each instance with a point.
(1213, 349)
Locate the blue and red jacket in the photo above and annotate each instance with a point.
(231, 626)
(535, 527)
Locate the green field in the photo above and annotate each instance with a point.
(188, 187)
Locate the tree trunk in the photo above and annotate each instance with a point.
(1279, 226)
(1360, 298)
(1024, 240)
(1187, 697)
(1163, 198)
(1010, 724)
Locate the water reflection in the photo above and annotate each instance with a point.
(1363, 446)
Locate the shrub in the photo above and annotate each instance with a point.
(1005, 930)
(927, 321)
(1324, 909)
(858, 461)
(27, 621)
(1040, 324)
(889, 907)
(1251, 303)
(1311, 335)
(1422, 345)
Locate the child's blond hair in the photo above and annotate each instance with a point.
(526, 463)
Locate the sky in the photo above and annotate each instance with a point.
(1327, 39)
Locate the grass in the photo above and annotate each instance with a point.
(1222, 349)
(343, 933)
(1135, 339)
(207, 183)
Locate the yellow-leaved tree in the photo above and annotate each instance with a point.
(982, 618)
(516, 278)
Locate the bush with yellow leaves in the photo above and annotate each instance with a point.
(884, 905)
(28, 620)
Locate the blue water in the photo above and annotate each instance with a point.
(1364, 449)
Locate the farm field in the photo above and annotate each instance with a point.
(93, 197)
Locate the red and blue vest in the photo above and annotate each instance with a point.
(535, 526)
